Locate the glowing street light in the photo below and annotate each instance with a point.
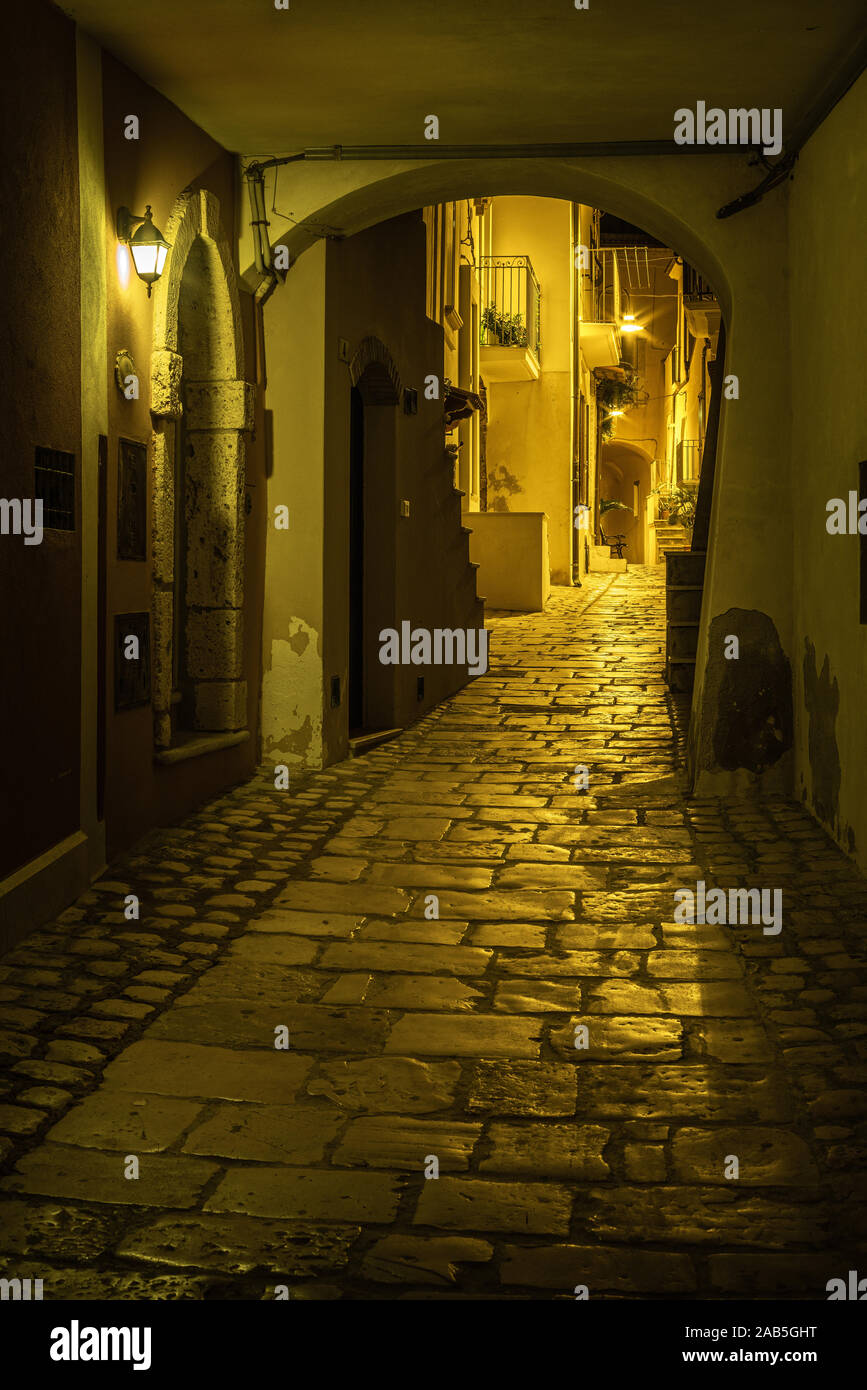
(148, 246)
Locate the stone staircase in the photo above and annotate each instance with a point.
(469, 601)
(684, 584)
(669, 536)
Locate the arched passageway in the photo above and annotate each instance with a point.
(676, 202)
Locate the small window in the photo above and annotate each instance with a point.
(54, 483)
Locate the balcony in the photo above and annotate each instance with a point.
(700, 305)
(510, 319)
(599, 332)
(688, 460)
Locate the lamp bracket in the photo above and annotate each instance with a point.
(125, 222)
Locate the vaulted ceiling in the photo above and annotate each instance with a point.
(263, 81)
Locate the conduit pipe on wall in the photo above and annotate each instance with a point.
(556, 150)
(258, 220)
(833, 90)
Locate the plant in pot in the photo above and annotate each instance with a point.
(676, 505)
(617, 395)
(502, 329)
(683, 509)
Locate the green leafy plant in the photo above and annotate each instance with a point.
(506, 330)
(618, 395)
(679, 503)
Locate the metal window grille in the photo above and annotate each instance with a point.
(54, 483)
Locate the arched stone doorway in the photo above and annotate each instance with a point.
(626, 475)
(376, 391)
(201, 405)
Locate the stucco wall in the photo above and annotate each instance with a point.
(529, 427)
(827, 217)
(339, 295)
(433, 584)
(40, 696)
(292, 638)
(511, 550)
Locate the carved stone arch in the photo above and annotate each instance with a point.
(200, 405)
(374, 371)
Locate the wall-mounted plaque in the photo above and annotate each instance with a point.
(132, 660)
(132, 494)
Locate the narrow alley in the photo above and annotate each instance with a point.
(423, 1024)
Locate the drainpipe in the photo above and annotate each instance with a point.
(576, 389)
(702, 398)
(596, 519)
(260, 298)
(264, 262)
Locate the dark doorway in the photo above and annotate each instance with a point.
(356, 563)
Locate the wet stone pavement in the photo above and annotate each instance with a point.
(413, 1037)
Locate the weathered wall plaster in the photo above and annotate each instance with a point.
(828, 213)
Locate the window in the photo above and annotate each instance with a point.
(54, 483)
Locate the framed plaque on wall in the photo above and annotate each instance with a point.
(132, 494)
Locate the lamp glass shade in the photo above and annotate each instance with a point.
(145, 259)
(149, 250)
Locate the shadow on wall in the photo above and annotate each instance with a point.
(501, 486)
(749, 698)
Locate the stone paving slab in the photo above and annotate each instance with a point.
(340, 1042)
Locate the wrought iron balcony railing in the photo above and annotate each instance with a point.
(511, 303)
(694, 286)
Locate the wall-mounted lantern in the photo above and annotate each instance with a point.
(148, 246)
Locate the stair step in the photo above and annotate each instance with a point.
(362, 743)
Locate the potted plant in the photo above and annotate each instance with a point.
(617, 395)
(676, 505)
(502, 329)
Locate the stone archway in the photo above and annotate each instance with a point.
(676, 199)
(626, 464)
(198, 387)
(374, 371)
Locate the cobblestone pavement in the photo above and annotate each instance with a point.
(413, 1037)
